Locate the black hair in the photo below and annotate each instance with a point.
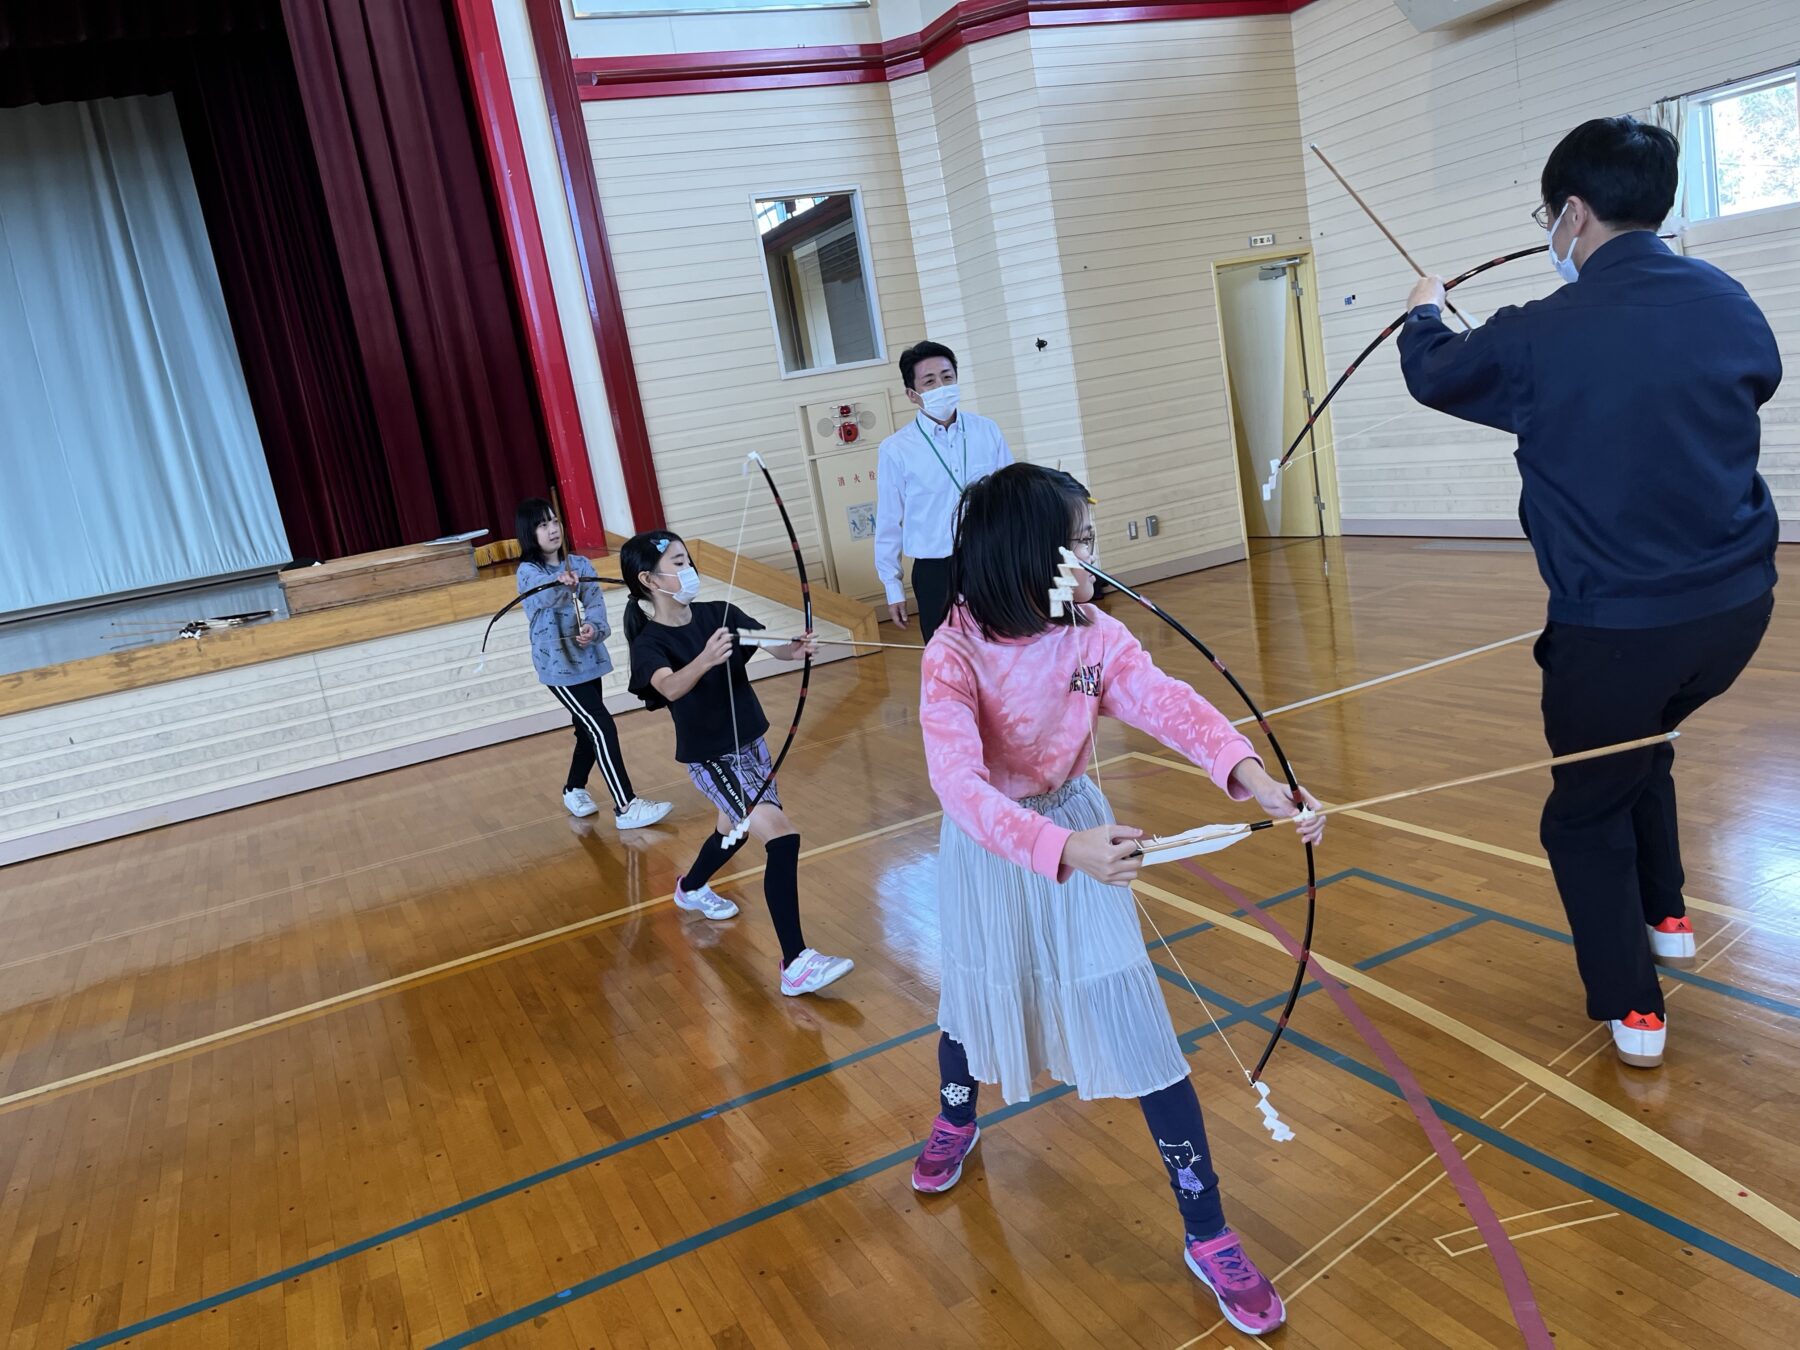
(533, 512)
(639, 554)
(1624, 169)
(910, 358)
(1010, 530)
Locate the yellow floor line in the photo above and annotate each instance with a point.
(1333, 695)
(1770, 1216)
(1535, 1232)
(1537, 860)
(430, 974)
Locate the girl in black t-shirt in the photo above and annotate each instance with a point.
(685, 657)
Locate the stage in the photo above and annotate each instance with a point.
(109, 745)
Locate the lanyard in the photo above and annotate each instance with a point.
(940, 459)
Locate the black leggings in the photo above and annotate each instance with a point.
(596, 741)
(1172, 1113)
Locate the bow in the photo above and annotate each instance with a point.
(1209, 839)
(520, 598)
(733, 839)
(138, 632)
(1277, 465)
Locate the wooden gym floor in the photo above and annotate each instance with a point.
(420, 1060)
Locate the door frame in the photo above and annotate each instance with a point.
(1312, 341)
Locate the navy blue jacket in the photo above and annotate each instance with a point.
(1634, 394)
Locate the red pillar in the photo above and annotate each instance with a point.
(569, 130)
(531, 272)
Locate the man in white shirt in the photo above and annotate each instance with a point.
(920, 475)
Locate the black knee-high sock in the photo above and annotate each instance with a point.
(958, 1090)
(781, 889)
(712, 856)
(1173, 1114)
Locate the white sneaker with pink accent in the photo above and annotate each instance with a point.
(811, 971)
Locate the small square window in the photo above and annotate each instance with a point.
(815, 254)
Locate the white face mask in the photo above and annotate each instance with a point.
(687, 586)
(940, 403)
(1565, 266)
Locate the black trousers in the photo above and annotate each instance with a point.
(596, 741)
(1609, 825)
(931, 590)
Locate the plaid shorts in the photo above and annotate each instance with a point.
(731, 782)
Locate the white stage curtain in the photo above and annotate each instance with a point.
(129, 455)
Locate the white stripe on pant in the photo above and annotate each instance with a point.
(608, 770)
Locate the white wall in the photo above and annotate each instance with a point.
(676, 179)
(1064, 186)
(1445, 134)
(544, 171)
(987, 144)
(1169, 145)
(1076, 184)
(140, 758)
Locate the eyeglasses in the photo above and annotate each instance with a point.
(1084, 542)
(1541, 217)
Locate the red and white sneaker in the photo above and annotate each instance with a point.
(1639, 1037)
(940, 1164)
(811, 971)
(1672, 942)
(1245, 1295)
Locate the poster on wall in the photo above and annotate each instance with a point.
(844, 486)
(642, 9)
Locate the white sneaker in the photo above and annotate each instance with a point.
(1672, 942)
(641, 813)
(705, 901)
(579, 803)
(1638, 1038)
(811, 971)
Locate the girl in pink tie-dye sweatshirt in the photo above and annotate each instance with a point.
(1044, 967)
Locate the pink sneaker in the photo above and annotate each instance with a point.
(940, 1165)
(1245, 1295)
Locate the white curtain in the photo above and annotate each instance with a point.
(129, 456)
(1256, 310)
(1671, 114)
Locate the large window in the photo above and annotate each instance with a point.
(1742, 150)
(636, 9)
(815, 255)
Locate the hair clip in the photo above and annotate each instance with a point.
(662, 546)
(1062, 592)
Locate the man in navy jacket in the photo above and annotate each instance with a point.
(1634, 392)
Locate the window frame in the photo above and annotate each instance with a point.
(661, 9)
(865, 252)
(1699, 152)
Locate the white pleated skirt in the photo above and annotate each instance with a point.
(1042, 978)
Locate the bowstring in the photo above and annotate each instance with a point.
(1094, 756)
(737, 552)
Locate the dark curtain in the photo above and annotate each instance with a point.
(345, 196)
(278, 264)
(64, 51)
(405, 187)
